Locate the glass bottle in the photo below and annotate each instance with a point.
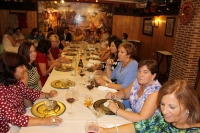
(73, 65)
(80, 64)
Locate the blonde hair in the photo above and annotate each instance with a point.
(54, 37)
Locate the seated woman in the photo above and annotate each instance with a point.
(125, 72)
(78, 35)
(44, 67)
(12, 92)
(88, 37)
(34, 35)
(18, 37)
(31, 76)
(142, 93)
(180, 112)
(105, 55)
(55, 51)
(8, 42)
(104, 42)
(113, 55)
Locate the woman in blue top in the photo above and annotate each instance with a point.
(143, 93)
(125, 72)
(180, 109)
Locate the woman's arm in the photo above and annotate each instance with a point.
(150, 104)
(52, 120)
(40, 83)
(126, 128)
(45, 71)
(105, 56)
(10, 38)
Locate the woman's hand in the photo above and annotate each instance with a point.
(101, 81)
(53, 93)
(109, 62)
(113, 106)
(56, 64)
(52, 120)
(110, 95)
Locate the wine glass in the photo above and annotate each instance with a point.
(91, 84)
(70, 97)
(92, 126)
(81, 73)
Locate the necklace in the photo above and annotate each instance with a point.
(125, 64)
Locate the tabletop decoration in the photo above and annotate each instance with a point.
(100, 104)
(39, 109)
(58, 84)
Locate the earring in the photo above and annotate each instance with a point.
(187, 111)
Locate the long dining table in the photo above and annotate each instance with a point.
(75, 123)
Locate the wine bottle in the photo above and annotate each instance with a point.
(80, 64)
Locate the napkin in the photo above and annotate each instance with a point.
(104, 88)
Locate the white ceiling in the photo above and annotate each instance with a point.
(128, 1)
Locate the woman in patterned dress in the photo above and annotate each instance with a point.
(31, 76)
(12, 93)
(142, 94)
(180, 112)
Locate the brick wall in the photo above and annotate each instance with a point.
(187, 47)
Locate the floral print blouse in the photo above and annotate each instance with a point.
(137, 103)
(11, 105)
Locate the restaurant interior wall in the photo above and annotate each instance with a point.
(187, 48)
(31, 21)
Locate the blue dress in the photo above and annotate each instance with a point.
(125, 76)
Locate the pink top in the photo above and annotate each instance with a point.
(41, 58)
(12, 107)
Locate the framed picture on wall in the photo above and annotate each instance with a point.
(147, 27)
(169, 28)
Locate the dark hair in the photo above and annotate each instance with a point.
(50, 33)
(130, 49)
(34, 30)
(18, 28)
(43, 46)
(151, 65)
(125, 35)
(111, 39)
(50, 29)
(88, 31)
(9, 61)
(186, 96)
(24, 49)
(117, 43)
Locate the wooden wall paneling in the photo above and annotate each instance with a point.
(31, 21)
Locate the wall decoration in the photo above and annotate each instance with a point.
(147, 27)
(169, 28)
(74, 15)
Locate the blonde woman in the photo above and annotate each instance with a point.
(78, 35)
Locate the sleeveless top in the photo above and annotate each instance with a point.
(137, 103)
(8, 45)
(33, 78)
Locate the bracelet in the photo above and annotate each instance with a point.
(116, 110)
(45, 96)
(116, 128)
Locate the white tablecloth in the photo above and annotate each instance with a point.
(76, 123)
